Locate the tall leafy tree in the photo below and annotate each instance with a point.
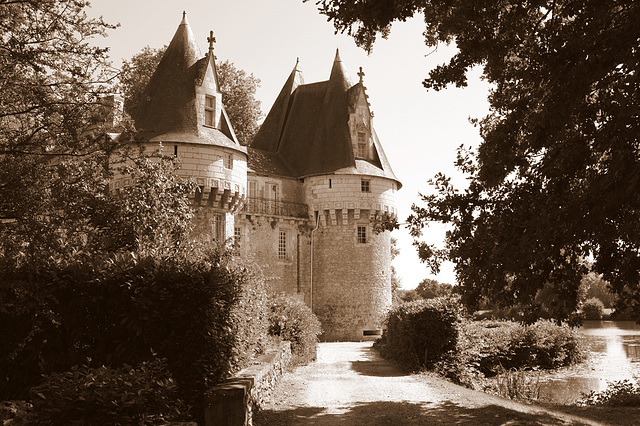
(557, 176)
(53, 83)
(238, 95)
(238, 90)
(136, 73)
(55, 115)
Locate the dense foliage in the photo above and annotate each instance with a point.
(107, 396)
(52, 115)
(135, 74)
(555, 179)
(435, 334)
(292, 320)
(202, 311)
(238, 90)
(422, 332)
(430, 288)
(238, 96)
(621, 393)
(593, 309)
(492, 346)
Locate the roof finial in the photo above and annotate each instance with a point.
(211, 39)
(361, 74)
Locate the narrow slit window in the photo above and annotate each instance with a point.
(282, 245)
(218, 228)
(237, 236)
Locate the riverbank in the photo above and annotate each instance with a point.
(622, 416)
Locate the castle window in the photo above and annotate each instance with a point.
(175, 150)
(362, 150)
(209, 110)
(217, 228)
(237, 236)
(362, 145)
(362, 234)
(228, 161)
(282, 245)
(329, 183)
(365, 185)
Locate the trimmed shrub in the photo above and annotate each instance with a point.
(593, 309)
(421, 332)
(292, 320)
(108, 396)
(202, 311)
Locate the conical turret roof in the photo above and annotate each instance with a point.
(167, 103)
(308, 128)
(268, 136)
(168, 111)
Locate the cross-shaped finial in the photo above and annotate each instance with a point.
(211, 39)
(361, 74)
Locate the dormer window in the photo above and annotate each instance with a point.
(209, 110)
(362, 145)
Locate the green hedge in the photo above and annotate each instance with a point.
(422, 332)
(491, 346)
(108, 396)
(205, 313)
(292, 320)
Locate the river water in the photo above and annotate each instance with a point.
(615, 355)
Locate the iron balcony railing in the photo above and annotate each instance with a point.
(275, 208)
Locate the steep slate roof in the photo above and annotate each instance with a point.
(308, 128)
(169, 113)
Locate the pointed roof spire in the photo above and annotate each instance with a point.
(268, 136)
(338, 74)
(170, 88)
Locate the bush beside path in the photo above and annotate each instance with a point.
(351, 384)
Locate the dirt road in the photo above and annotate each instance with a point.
(351, 384)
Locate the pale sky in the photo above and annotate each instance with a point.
(420, 130)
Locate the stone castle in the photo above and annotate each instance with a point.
(299, 199)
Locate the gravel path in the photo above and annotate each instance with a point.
(351, 384)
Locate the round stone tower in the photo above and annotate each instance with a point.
(181, 111)
(324, 133)
(351, 264)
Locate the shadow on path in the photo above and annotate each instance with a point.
(401, 413)
(376, 369)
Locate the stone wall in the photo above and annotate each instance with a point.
(259, 242)
(234, 401)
